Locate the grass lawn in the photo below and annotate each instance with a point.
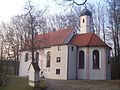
(19, 83)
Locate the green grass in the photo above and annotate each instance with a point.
(19, 83)
(42, 85)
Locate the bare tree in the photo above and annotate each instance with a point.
(59, 21)
(71, 2)
(1, 45)
(113, 14)
(19, 30)
(99, 20)
(114, 23)
(35, 22)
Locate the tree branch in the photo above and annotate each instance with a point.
(74, 2)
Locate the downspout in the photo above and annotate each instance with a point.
(76, 60)
(68, 62)
(87, 65)
(105, 63)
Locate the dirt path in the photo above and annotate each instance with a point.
(83, 84)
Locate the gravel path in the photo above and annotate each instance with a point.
(83, 84)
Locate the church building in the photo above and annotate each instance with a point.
(65, 54)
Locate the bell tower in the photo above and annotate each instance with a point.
(86, 21)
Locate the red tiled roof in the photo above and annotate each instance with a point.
(88, 39)
(51, 38)
(59, 37)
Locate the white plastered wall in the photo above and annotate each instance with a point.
(72, 62)
(85, 27)
(63, 53)
(98, 73)
(81, 73)
(88, 72)
(51, 71)
(23, 68)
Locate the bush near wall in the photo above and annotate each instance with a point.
(9, 67)
(115, 68)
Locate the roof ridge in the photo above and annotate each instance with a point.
(53, 32)
(58, 30)
(90, 39)
(69, 35)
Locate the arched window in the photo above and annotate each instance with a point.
(48, 59)
(26, 57)
(37, 57)
(81, 59)
(95, 59)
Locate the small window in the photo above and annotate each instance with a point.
(83, 20)
(57, 71)
(26, 57)
(95, 59)
(59, 48)
(72, 48)
(58, 59)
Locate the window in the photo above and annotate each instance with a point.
(81, 59)
(26, 57)
(48, 58)
(58, 59)
(72, 48)
(83, 20)
(57, 71)
(37, 57)
(95, 59)
(59, 48)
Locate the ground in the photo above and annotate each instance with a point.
(20, 83)
(83, 84)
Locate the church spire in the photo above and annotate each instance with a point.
(86, 21)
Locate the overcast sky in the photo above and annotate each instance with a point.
(9, 8)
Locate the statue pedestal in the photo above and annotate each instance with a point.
(34, 78)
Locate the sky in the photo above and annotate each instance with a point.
(10, 8)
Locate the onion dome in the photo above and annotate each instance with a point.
(86, 12)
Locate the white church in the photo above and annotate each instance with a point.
(66, 55)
